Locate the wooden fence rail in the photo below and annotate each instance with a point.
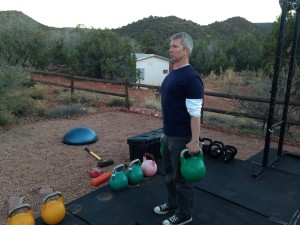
(126, 95)
(83, 89)
(249, 98)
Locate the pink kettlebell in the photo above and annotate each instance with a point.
(149, 166)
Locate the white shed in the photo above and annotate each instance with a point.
(152, 68)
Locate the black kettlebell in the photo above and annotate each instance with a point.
(205, 144)
(229, 152)
(215, 149)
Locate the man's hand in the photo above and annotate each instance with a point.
(193, 147)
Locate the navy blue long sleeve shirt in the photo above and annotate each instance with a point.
(181, 84)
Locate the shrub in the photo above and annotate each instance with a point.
(5, 117)
(14, 98)
(20, 104)
(57, 91)
(65, 111)
(78, 97)
(117, 102)
(234, 124)
(38, 92)
(152, 103)
(39, 108)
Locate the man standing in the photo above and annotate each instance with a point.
(181, 98)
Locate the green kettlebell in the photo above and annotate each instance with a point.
(134, 173)
(192, 167)
(162, 145)
(118, 180)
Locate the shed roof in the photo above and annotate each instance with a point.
(142, 56)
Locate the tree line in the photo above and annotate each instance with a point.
(26, 45)
(107, 54)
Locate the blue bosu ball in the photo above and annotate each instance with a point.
(80, 136)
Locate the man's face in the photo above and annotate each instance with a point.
(177, 53)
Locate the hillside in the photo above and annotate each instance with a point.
(216, 45)
(12, 18)
(162, 27)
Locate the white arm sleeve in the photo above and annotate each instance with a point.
(194, 106)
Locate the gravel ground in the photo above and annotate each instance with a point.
(33, 155)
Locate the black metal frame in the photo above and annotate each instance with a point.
(286, 6)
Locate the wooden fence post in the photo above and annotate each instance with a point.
(202, 114)
(126, 83)
(72, 87)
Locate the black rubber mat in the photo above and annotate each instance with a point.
(276, 194)
(258, 158)
(210, 209)
(228, 195)
(70, 219)
(134, 206)
(288, 162)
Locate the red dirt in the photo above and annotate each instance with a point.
(138, 95)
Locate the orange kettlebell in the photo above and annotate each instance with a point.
(53, 210)
(21, 218)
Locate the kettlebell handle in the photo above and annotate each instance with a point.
(118, 168)
(148, 155)
(134, 162)
(185, 152)
(202, 140)
(52, 194)
(23, 206)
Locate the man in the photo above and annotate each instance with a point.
(181, 98)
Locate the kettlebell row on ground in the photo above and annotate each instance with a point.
(217, 149)
(135, 173)
(53, 211)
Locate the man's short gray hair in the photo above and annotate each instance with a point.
(186, 40)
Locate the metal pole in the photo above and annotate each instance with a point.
(289, 83)
(285, 7)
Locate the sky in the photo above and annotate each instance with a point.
(117, 13)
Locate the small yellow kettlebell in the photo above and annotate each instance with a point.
(53, 210)
(21, 218)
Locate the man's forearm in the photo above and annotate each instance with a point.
(195, 128)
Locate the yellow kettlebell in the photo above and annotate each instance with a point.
(21, 218)
(53, 210)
